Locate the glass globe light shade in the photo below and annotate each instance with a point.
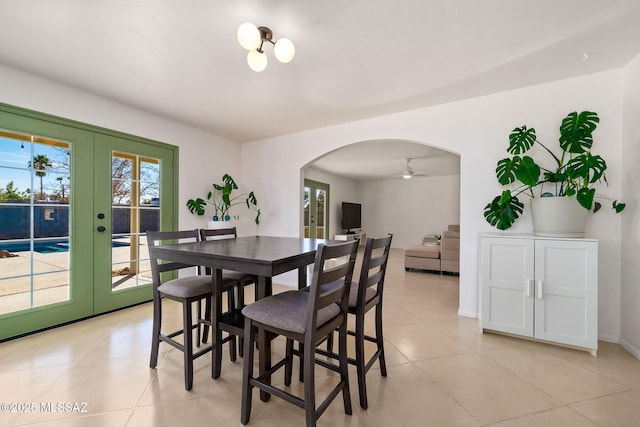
(284, 50)
(257, 61)
(249, 36)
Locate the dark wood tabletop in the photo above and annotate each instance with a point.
(265, 256)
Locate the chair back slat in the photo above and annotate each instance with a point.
(229, 233)
(374, 267)
(158, 238)
(215, 234)
(333, 267)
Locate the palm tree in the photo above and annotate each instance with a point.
(40, 164)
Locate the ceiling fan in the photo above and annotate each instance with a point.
(408, 172)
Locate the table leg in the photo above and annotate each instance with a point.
(264, 343)
(302, 283)
(216, 345)
(302, 277)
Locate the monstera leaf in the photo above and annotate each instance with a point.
(528, 172)
(503, 210)
(521, 140)
(227, 188)
(576, 130)
(585, 197)
(587, 166)
(506, 170)
(196, 206)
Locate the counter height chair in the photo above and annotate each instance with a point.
(365, 295)
(236, 279)
(185, 290)
(306, 317)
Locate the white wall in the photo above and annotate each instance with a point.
(203, 157)
(409, 209)
(477, 129)
(630, 289)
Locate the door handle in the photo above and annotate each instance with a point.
(529, 288)
(101, 229)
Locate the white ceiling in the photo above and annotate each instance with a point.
(354, 59)
(385, 159)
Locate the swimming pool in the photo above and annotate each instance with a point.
(46, 247)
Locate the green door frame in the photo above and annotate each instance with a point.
(83, 137)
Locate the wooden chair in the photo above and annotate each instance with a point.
(185, 290)
(238, 280)
(306, 317)
(365, 295)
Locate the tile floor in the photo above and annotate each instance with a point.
(441, 372)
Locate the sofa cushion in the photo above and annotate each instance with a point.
(423, 251)
(448, 234)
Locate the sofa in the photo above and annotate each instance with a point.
(436, 254)
(450, 250)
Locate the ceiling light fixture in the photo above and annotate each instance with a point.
(252, 38)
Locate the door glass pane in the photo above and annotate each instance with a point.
(34, 221)
(307, 210)
(135, 210)
(320, 213)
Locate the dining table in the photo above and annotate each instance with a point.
(262, 256)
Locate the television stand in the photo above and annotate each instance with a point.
(362, 237)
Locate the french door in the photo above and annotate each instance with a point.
(136, 182)
(75, 203)
(316, 209)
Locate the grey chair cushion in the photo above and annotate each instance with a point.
(187, 287)
(353, 292)
(288, 311)
(237, 276)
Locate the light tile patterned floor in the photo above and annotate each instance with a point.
(441, 372)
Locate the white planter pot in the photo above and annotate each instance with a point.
(217, 225)
(558, 217)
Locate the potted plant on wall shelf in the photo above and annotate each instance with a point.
(222, 199)
(569, 181)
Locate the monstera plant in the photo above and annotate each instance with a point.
(222, 199)
(574, 171)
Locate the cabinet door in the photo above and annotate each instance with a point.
(566, 291)
(507, 278)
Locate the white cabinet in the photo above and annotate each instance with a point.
(362, 237)
(542, 288)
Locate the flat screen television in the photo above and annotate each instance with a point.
(351, 216)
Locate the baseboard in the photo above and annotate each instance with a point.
(630, 348)
(609, 338)
(473, 315)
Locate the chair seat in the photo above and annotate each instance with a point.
(353, 295)
(237, 276)
(353, 292)
(288, 311)
(187, 287)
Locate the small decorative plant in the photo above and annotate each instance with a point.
(222, 200)
(574, 171)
